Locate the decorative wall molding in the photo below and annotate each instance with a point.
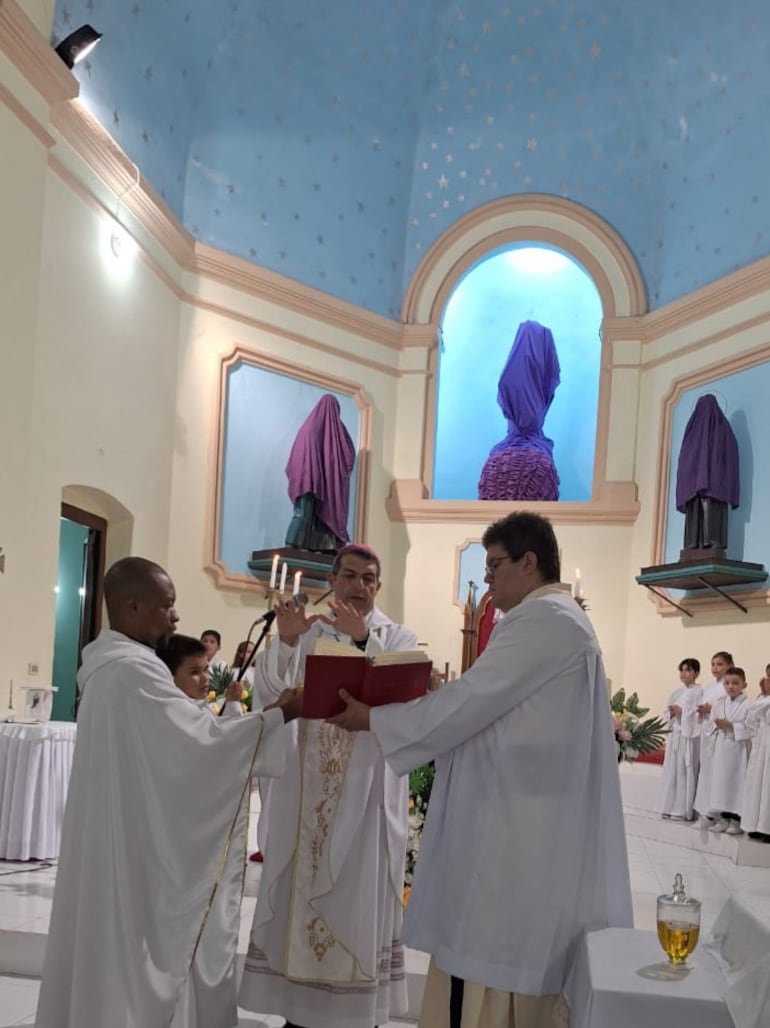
(408, 502)
(25, 116)
(527, 217)
(224, 577)
(34, 57)
(702, 376)
(274, 288)
(96, 147)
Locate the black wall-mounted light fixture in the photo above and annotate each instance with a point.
(78, 45)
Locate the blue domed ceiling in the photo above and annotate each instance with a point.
(334, 141)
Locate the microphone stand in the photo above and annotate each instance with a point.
(267, 621)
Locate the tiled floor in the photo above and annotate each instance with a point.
(25, 900)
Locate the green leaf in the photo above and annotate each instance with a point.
(220, 678)
(648, 736)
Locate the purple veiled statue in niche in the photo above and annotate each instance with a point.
(521, 467)
(319, 469)
(707, 480)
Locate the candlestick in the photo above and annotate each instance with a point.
(284, 573)
(578, 584)
(274, 572)
(297, 583)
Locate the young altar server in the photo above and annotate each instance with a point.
(524, 848)
(755, 815)
(680, 766)
(731, 754)
(712, 691)
(188, 661)
(151, 863)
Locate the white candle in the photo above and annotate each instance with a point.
(284, 572)
(578, 584)
(297, 582)
(274, 572)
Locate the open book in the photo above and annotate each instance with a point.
(384, 678)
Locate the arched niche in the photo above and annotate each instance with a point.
(575, 231)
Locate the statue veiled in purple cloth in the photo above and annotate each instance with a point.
(707, 479)
(521, 467)
(319, 469)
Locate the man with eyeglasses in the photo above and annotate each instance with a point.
(325, 949)
(524, 845)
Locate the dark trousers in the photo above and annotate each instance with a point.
(456, 993)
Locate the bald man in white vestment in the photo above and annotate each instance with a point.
(144, 926)
(524, 846)
(326, 949)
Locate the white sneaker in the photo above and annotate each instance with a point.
(719, 826)
(734, 828)
(705, 822)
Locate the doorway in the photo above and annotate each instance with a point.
(82, 540)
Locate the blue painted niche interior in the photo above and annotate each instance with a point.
(520, 283)
(743, 398)
(263, 412)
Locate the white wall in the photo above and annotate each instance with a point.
(88, 390)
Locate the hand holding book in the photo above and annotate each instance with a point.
(373, 681)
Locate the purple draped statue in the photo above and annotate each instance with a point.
(707, 479)
(521, 467)
(319, 469)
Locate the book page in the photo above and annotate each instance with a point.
(328, 647)
(405, 657)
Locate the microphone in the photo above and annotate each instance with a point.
(267, 619)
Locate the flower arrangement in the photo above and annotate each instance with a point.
(634, 734)
(220, 680)
(420, 785)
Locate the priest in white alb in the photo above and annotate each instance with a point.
(144, 925)
(326, 949)
(524, 846)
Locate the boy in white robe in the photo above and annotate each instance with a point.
(152, 852)
(188, 661)
(731, 754)
(326, 949)
(212, 640)
(680, 766)
(712, 691)
(524, 846)
(755, 813)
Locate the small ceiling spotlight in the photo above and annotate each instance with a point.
(78, 45)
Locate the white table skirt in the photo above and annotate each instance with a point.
(620, 979)
(35, 765)
(741, 944)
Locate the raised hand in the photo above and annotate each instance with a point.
(347, 620)
(292, 621)
(234, 692)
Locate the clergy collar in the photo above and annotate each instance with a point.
(549, 589)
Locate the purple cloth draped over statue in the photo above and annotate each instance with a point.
(321, 463)
(527, 386)
(708, 460)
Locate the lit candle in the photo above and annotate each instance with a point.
(578, 584)
(274, 572)
(297, 582)
(284, 572)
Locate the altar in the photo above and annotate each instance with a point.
(35, 765)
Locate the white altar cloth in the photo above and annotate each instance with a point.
(740, 941)
(35, 764)
(621, 978)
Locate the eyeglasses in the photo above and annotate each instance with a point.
(491, 566)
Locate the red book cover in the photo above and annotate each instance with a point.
(373, 684)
